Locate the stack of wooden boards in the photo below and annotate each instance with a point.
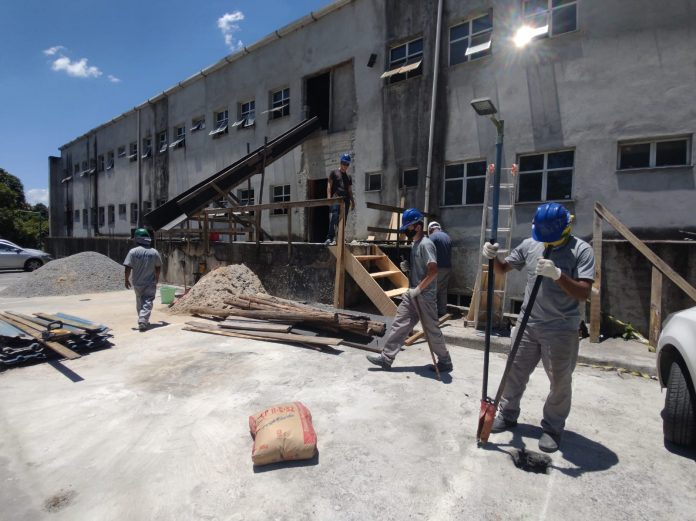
(25, 338)
(264, 317)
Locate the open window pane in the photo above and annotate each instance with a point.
(561, 159)
(454, 171)
(483, 23)
(564, 19)
(635, 156)
(670, 153)
(531, 163)
(559, 185)
(458, 51)
(458, 32)
(410, 178)
(475, 190)
(530, 187)
(476, 169)
(454, 192)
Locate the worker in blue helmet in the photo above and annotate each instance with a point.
(422, 286)
(552, 331)
(340, 185)
(143, 265)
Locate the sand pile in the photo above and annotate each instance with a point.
(86, 272)
(218, 285)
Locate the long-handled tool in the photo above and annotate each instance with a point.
(488, 406)
(427, 336)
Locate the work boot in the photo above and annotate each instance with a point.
(549, 442)
(443, 367)
(500, 424)
(380, 361)
(142, 326)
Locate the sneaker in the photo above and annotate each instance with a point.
(380, 361)
(443, 367)
(142, 326)
(332, 243)
(549, 442)
(500, 424)
(328, 242)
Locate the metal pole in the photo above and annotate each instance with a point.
(140, 174)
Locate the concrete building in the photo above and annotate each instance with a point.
(599, 106)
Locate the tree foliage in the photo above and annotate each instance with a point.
(20, 222)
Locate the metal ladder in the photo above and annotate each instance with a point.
(506, 219)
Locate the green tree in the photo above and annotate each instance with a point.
(17, 222)
(15, 186)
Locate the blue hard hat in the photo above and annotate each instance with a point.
(411, 216)
(549, 222)
(345, 158)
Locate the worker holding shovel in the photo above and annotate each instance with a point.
(551, 333)
(421, 298)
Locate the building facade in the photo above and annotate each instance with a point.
(599, 106)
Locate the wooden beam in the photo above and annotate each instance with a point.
(379, 229)
(655, 306)
(656, 261)
(596, 296)
(267, 327)
(272, 337)
(339, 282)
(394, 209)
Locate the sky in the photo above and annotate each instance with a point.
(67, 66)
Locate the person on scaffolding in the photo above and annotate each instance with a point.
(552, 331)
(144, 263)
(340, 185)
(423, 286)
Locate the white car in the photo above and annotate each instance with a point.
(676, 369)
(16, 257)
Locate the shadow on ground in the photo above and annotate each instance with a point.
(420, 370)
(288, 464)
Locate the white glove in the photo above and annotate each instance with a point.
(414, 292)
(490, 251)
(405, 266)
(546, 268)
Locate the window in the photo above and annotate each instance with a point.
(546, 177)
(465, 183)
(221, 121)
(405, 61)
(147, 147)
(100, 163)
(280, 104)
(470, 40)
(77, 216)
(121, 151)
(197, 124)
(109, 159)
(653, 154)
(373, 181)
(102, 215)
(147, 207)
(134, 213)
(85, 218)
(162, 144)
(93, 218)
(246, 197)
(121, 212)
(550, 17)
(180, 137)
(280, 194)
(409, 178)
(247, 114)
(76, 168)
(133, 149)
(84, 167)
(112, 214)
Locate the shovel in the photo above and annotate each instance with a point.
(488, 406)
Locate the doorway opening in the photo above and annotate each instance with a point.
(318, 98)
(317, 217)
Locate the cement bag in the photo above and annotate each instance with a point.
(282, 433)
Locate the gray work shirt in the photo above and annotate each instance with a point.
(423, 253)
(143, 262)
(443, 244)
(554, 308)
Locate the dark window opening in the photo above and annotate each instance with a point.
(319, 99)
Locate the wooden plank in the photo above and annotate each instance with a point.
(661, 265)
(416, 336)
(391, 293)
(384, 274)
(54, 346)
(365, 258)
(241, 326)
(395, 209)
(272, 337)
(596, 296)
(339, 283)
(379, 229)
(655, 306)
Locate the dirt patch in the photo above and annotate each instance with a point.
(218, 285)
(59, 501)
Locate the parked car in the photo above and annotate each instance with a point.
(676, 369)
(16, 257)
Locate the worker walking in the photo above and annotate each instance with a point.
(552, 331)
(340, 185)
(423, 286)
(443, 245)
(144, 263)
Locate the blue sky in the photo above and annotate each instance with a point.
(66, 66)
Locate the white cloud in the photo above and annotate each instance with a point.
(37, 195)
(227, 23)
(78, 68)
(113, 79)
(53, 50)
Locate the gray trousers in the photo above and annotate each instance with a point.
(406, 318)
(144, 298)
(558, 351)
(443, 276)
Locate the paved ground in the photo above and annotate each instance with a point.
(155, 428)
(8, 277)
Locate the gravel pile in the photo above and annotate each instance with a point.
(218, 285)
(86, 272)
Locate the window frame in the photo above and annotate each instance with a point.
(147, 147)
(121, 151)
(221, 123)
(197, 124)
(279, 109)
(110, 160)
(246, 117)
(122, 214)
(85, 218)
(133, 151)
(162, 142)
(111, 215)
(100, 163)
(653, 152)
(134, 213)
(464, 178)
(408, 59)
(548, 12)
(402, 180)
(545, 174)
(76, 217)
(368, 175)
(274, 198)
(179, 133)
(469, 36)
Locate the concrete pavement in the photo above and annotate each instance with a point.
(155, 428)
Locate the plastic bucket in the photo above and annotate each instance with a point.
(167, 294)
